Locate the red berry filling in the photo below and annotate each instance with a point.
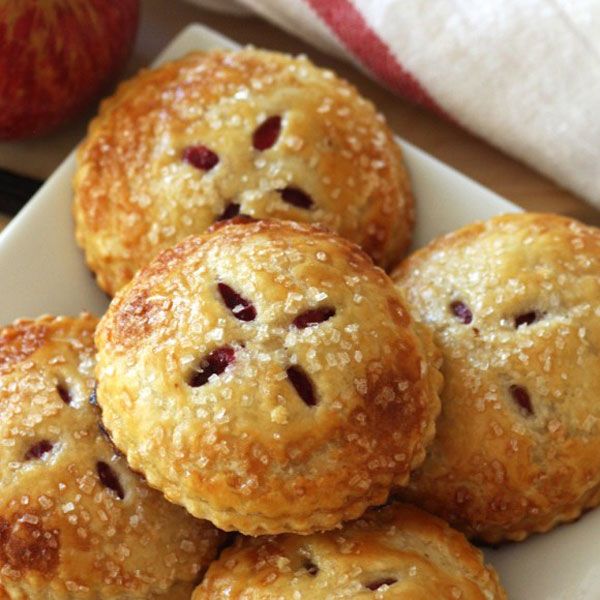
(310, 567)
(241, 308)
(109, 479)
(521, 397)
(302, 384)
(296, 197)
(214, 364)
(461, 311)
(313, 317)
(526, 319)
(375, 585)
(200, 157)
(231, 210)
(64, 394)
(38, 450)
(267, 133)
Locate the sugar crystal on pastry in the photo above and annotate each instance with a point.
(263, 381)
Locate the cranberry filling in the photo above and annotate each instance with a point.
(311, 568)
(521, 397)
(313, 317)
(526, 319)
(38, 450)
(200, 157)
(461, 311)
(214, 364)
(296, 197)
(375, 585)
(109, 479)
(231, 210)
(64, 394)
(302, 384)
(267, 133)
(241, 308)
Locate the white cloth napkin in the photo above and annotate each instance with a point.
(523, 74)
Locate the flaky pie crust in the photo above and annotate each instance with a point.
(517, 449)
(244, 450)
(397, 552)
(136, 195)
(64, 531)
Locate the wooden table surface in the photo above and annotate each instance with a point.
(446, 141)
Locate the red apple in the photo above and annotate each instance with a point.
(56, 56)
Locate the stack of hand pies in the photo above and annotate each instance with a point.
(257, 373)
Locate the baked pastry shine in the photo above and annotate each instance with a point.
(514, 304)
(220, 133)
(267, 376)
(75, 522)
(397, 552)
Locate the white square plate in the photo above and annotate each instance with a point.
(42, 271)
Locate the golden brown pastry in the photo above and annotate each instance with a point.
(396, 552)
(514, 304)
(223, 133)
(267, 377)
(75, 522)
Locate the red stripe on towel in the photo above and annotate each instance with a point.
(347, 23)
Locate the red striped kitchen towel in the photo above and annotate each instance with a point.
(523, 74)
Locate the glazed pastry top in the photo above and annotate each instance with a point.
(397, 552)
(74, 519)
(247, 370)
(223, 133)
(514, 304)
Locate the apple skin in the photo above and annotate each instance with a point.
(57, 56)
